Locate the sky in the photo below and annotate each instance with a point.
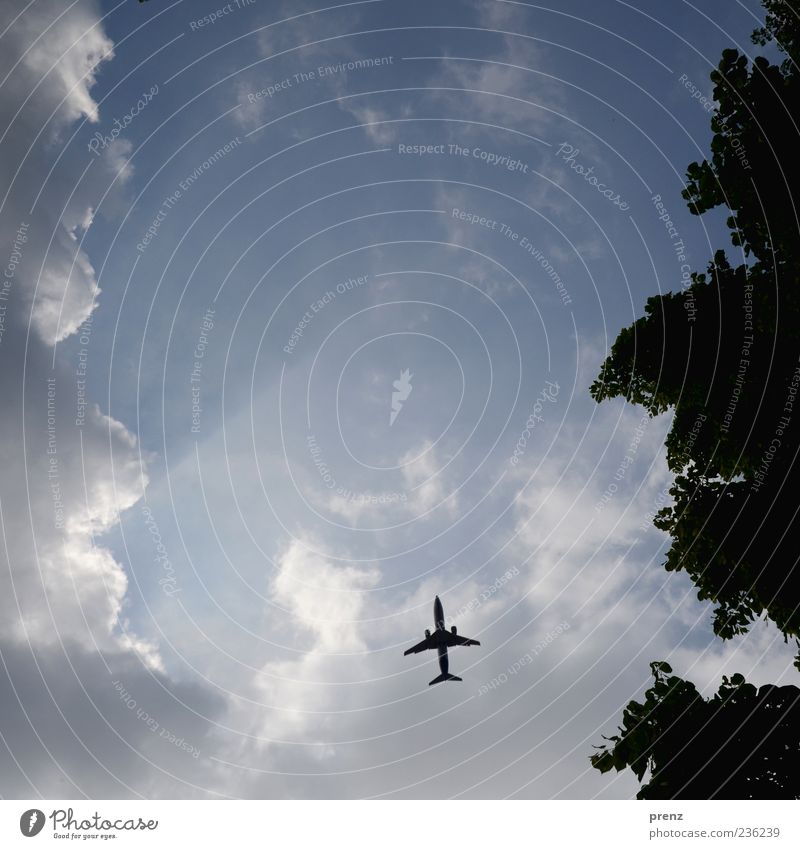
(300, 311)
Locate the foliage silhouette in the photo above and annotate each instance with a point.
(744, 743)
(724, 355)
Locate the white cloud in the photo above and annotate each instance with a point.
(64, 584)
(424, 488)
(52, 54)
(318, 602)
(372, 118)
(509, 77)
(69, 484)
(424, 478)
(58, 50)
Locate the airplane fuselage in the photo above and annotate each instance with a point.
(441, 639)
(438, 621)
(438, 615)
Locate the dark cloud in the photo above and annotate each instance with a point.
(101, 725)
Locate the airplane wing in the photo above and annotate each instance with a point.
(458, 640)
(427, 643)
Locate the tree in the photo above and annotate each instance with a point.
(724, 355)
(780, 26)
(744, 743)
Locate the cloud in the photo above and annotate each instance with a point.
(58, 497)
(52, 55)
(508, 76)
(280, 664)
(78, 723)
(325, 599)
(424, 488)
(69, 470)
(318, 603)
(58, 51)
(372, 119)
(601, 507)
(301, 43)
(422, 473)
(762, 656)
(70, 483)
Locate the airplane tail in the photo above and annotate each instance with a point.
(445, 677)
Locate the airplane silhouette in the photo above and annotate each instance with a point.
(440, 639)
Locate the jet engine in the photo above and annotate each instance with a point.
(453, 630)
(427, 633)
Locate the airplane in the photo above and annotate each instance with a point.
(440, 639)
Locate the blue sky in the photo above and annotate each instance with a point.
(250, 541)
